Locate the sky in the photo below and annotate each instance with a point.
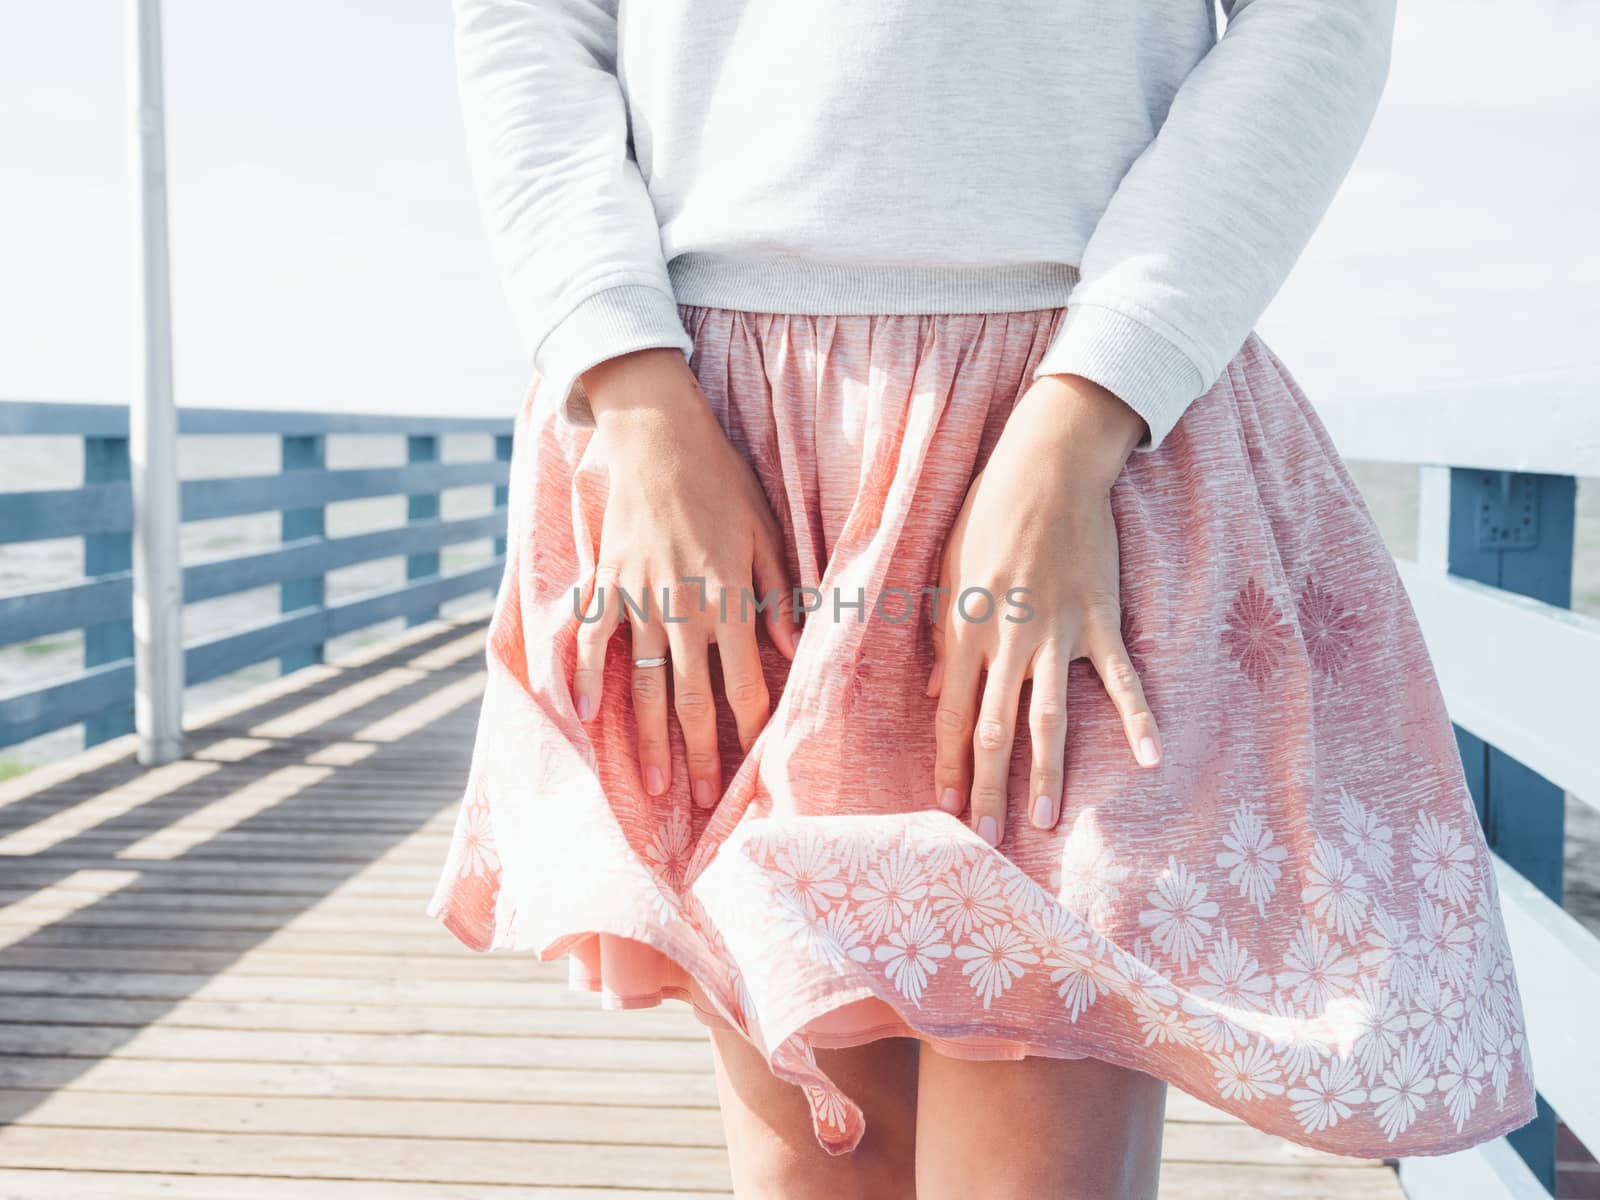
(327, 251)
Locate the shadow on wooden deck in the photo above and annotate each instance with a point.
(217, 980)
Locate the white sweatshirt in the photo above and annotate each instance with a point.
(913, 156)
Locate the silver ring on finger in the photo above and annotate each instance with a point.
(659, 661)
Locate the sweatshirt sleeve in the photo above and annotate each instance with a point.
(570, 223)
(1204, 227)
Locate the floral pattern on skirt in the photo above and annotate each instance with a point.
(1294, 917)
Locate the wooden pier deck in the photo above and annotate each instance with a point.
(217, 981)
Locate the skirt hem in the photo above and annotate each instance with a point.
(968, 1048)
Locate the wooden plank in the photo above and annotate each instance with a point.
(115, 757)
(104, 599)
(287, 940)
(54, 417)
(95, 508)
(483, 968)
(236, 495)
(357, 847)
(322, 712)
(78, 810)
(245, 868)
(423, 1083)
(1237, 1143)
(206, 883)
(1539, 421)
(423, 1049)
(1492, 1171)
(127, 1185)
(1558, 969)
(107, 637)
(411, 1081)
(297, 557)
(222, 817)
(159, 896)
(635, 1165)
(232, 931)
(661, 1024)
(45, 905)
(540, 987)
(511, 1121)
(422, 505)
(354, 849)
(199, 1043)
(1230, 1181)
(220, 655)
(360, 801)
(1487, 644)
(517, 1123)
(364, 793)
(1183, 1181)
(204, 910)
(150, 818)
(469, 1160)
(424, 757)
(364, 787)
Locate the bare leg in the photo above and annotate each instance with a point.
(1039, 1128)
(771, 1147)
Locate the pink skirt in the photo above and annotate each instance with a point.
(1294, 917)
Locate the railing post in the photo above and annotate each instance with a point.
(1514, 531)
(303, 453)
(422, 506)
(502, 492)
(152, 419)
(105, 460)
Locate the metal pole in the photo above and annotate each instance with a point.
(152, 419)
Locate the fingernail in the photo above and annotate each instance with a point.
(1044, 811)
(1148, 755)
(989, 830)
(702, 793)
(653, 781)
(950, 801)
(585, 707)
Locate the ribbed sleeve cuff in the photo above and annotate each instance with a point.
(615, 321)
(1139, 366)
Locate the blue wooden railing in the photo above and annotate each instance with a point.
(1492, 586)
(100, 696)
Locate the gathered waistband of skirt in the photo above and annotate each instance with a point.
(800, 285)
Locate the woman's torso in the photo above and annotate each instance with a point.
(944, 139)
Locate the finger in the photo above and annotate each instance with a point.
(743, 682)
(772, 589)
(602, 616)
(993, 738)
(1047, 731)
(695, 709)
(936, 676)
(1116, 671)
(650, 702)
(953, 721)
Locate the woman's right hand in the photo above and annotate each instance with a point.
(685, 518)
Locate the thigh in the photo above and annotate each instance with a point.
(1042, 1128)
(771, 1147)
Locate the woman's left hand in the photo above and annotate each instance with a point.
(1037, 517)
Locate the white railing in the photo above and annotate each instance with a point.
(1523, 675)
